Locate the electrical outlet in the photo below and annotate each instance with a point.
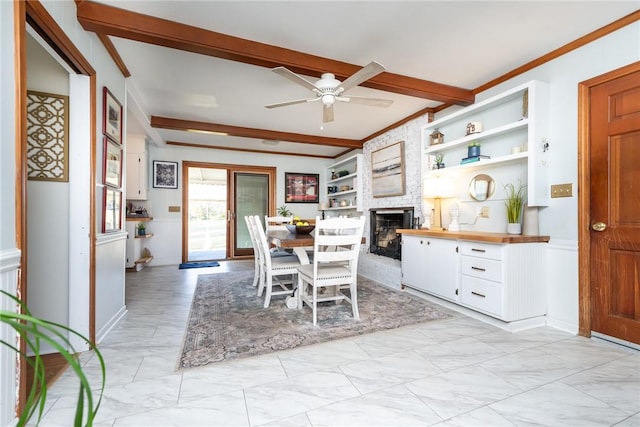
(484, 212)
(562, 190)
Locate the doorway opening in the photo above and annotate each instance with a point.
(207, 213)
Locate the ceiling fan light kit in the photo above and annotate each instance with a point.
(329, 89)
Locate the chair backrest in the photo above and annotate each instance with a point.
(261, 240)
(249, 221)
(338, 240)
(276, 222)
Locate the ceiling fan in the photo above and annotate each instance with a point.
(328, 89)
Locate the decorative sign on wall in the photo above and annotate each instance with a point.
(387, 170)
(47, 136)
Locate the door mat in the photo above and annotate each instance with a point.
(198, 264)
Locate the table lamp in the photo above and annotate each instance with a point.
(437, 188)
(323, 207)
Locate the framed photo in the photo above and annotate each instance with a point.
(112, 171)
(301, 187)
(112, 209)
(387, 170)
(165, 174)
(112, 116)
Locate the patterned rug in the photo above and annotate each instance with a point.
(227, 320)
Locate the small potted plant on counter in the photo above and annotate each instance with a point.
(514, 204)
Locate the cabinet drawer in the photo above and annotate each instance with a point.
(478, 249)
(481, 295)
(488, 269)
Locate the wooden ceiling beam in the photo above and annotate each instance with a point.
(108, 20)
(215, 128)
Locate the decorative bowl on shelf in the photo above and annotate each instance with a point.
(304, 229)
(291, 227)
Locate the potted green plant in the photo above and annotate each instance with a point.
(142, 229)
(439, 161)
(35, 332)
(284, 211)
(514, 203)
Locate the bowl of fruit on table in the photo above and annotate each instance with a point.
(299, 226)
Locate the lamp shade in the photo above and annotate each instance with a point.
(437, 187)
(323, 206)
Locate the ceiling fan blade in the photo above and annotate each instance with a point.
(373, 102)
(287, 74)
(327, 113)
(365, 73)
(293, 102)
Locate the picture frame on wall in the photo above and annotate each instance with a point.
(112, 170)
(165, 174)
(111, 210)
(387, 170)
(112, 116)
(301, 187)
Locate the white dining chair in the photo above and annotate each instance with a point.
(336, 248)
(278, 273)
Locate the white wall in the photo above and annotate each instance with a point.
(47, 209)
(107, 74)
(166, 244)
(559, 220)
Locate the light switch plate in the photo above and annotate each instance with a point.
(562, 190)
(174, 208)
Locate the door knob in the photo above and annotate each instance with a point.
(598, 226)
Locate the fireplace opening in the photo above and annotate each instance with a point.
(384, 223)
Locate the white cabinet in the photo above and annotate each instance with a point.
(430, 265)
(503, 280)
(344, 186)
(137, 176)
(515, 131)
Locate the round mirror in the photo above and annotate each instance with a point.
(481, 187)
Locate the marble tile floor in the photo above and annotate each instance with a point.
(456, 372)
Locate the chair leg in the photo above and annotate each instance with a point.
(262, 280)
(301, 288)
(315, 304)
(269, 285)
(353, 288)
(256, 275)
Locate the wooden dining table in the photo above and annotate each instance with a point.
(300, 243)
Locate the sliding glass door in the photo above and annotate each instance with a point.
(216, 198)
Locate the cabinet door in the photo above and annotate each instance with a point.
(137, 176)
(413, 256)
(441, 268)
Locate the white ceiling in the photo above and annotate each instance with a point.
(463, 44)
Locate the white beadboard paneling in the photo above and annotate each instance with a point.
(110, 289)
(525, 274)
(9, 264)
(562, 285)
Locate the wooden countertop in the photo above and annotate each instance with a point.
(478, 236)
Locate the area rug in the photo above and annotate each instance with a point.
(198, 264)
(227, 320)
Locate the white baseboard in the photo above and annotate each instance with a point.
(102, 333)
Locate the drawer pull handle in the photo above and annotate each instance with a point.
(478, 250)
(477, 294)
(478, 268)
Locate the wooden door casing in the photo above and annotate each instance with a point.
(610, 170)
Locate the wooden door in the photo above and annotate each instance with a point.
(614, 207)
